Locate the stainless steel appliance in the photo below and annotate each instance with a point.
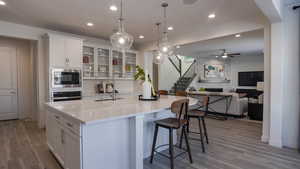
(66, 78)
(66, 95)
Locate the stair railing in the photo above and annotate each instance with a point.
(190, 73)
(177, 63)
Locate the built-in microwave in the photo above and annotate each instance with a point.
(66, 78)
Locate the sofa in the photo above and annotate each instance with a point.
(238, 107)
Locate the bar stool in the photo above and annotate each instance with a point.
(200, 116)
(181, 93)
(180, 108)
(163, 92)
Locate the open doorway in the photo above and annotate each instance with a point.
(231, 66)
(17, 74)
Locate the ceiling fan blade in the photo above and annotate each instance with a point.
(234, 54)
(189, 2)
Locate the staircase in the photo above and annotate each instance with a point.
(185, 80)
(176, 62)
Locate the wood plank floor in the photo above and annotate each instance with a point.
(234, 144)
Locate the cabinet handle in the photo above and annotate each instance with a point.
(62, 136)
(67, 60)
(70, 125)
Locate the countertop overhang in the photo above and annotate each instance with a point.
(89, 111)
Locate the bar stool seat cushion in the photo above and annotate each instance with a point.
(171, 122)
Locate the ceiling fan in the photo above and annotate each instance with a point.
(189, 2)
(224, 54)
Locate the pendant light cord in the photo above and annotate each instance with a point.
(121, 26)
(121, 12)
(165, 5)
(158, 34)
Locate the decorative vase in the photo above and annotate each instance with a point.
(147, 89)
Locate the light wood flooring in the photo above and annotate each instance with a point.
(234, 144)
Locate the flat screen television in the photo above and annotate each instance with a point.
(250, 78)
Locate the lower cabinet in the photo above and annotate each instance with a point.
(64, 143)
(72, 151)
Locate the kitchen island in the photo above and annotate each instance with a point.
(89, 134)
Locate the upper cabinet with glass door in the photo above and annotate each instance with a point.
(117, 64)
(103, 63)
(130, 64)
(88, 61)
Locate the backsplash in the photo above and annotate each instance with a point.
(123, 86)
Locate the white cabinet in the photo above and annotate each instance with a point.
(73, 50)
(64, 51)
(72, 150)
(55, 136)
(104, 63)
(63, 141)
(57, 57)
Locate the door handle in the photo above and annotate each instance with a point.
(12, 92)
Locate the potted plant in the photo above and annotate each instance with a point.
(140, 75)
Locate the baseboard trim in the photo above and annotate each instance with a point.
(265, 139)
(9, 116)
(275, 143)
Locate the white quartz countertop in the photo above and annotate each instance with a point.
(87, 111)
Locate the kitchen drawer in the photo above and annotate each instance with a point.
(58, 118)
(72, 125)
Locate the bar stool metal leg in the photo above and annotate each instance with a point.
(188, 124)
(201, 136)
(154, 143)
(205, 131)
(171, 148)
(187, 144)
(181, 137)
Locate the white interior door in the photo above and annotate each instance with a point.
(8, 84)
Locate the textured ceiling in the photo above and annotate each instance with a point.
(141, 16)
(249, 43)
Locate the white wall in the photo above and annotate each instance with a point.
(290, 112)
(284, 93)
(284, 120)
(237, 64)
(277, 59)
(267, 83)
(168, 75)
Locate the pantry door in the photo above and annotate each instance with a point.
(8, 84)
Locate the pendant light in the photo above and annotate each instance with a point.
(165, 48)
(121, 39)
(158, 57)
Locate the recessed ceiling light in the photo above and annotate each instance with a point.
(217, 56)
(2, 3)
(141, 37)
(177, 46)
(211, 16)
(170, 28)
(113, 8)
(89, 24)
(238, 35)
